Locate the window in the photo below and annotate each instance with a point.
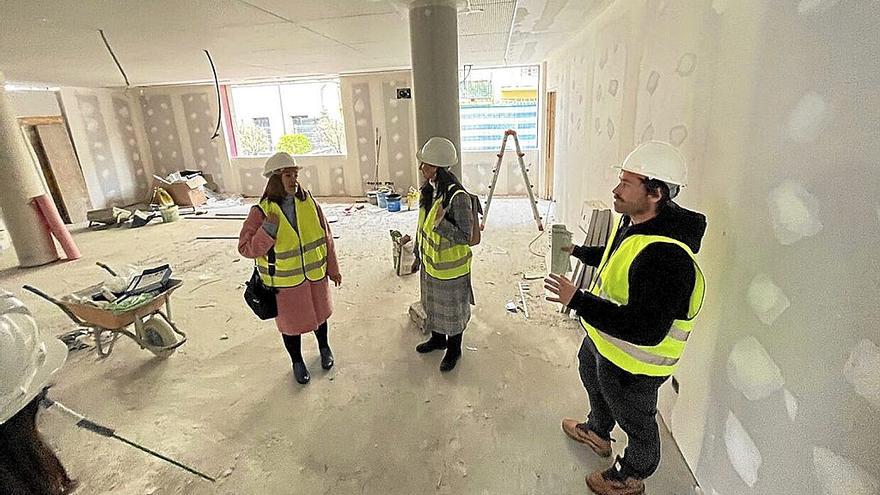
(494, 100)
(301, 118)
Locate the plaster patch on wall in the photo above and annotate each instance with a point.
(653, 82)
(742, 451)
(678, 135)
(841, 476)
(613, 86)
(808, 118)
(808, 7)
(719, 6)
(751, 370)
(767, 299)
(862, 371)
(610, 128)
(648, 133)
(687, 64)
(794, 213)
(791, 404)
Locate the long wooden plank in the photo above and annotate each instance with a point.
(65, 167)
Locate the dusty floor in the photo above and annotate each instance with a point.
(383, 421)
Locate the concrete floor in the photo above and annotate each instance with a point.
(383, 421)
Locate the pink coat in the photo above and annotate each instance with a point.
(303, 308)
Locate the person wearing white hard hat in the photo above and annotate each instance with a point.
(638, 314)
(443, 251)
(290, 240)
(28, 362)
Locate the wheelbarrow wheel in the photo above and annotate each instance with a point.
(157, 336)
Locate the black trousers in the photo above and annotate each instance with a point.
(293, 343)
(617, 396)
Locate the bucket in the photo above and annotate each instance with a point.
(170, 213)
(393, 201)
(371, 197)
(382, 199)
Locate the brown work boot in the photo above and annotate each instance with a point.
(581, 434)
(602, 484)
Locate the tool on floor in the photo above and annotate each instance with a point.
(523, 288)
(525, 174)
(86, 424)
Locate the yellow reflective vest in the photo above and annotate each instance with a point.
(300, 253)
(612, 284)
(441, 258)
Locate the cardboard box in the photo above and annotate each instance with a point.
(184, 193)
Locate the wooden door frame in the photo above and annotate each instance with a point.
(549, 144)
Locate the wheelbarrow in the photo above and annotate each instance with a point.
(154, 329)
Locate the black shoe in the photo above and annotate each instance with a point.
(436, 342)
(449, 361)
(326, 357)
(301, 373)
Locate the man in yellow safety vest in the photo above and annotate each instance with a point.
(638, 314)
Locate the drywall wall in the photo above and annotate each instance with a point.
(369, 102)
(179, 122)
(773, 103)
(320, 174)
(107, 132)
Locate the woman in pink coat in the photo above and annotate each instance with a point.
(288, 236)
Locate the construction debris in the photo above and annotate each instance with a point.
(418, 315)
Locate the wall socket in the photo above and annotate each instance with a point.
(404, 93)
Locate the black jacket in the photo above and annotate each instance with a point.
(661, 279)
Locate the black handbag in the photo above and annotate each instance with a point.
(260, 297)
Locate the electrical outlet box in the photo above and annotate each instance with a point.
(404, 93)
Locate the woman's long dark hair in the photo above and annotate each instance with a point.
(27, 464)
(447, 183)
(276, 193)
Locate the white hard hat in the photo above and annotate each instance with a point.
(657, 160)
(27, 361)
(439, 152)
(278, 161)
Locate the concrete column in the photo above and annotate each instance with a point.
(433, 37)
(20, 181)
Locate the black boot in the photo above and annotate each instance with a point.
(453, 352)
(326, 357)
(436, 342)
(301, 372)
(324, 346)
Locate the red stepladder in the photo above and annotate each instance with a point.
(525, 174)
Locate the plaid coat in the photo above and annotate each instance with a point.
(447, 303)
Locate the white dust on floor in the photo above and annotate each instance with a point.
(383, 421)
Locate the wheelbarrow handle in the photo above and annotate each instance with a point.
(54, 301)
(102, 265)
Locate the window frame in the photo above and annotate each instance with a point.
(233, 122)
